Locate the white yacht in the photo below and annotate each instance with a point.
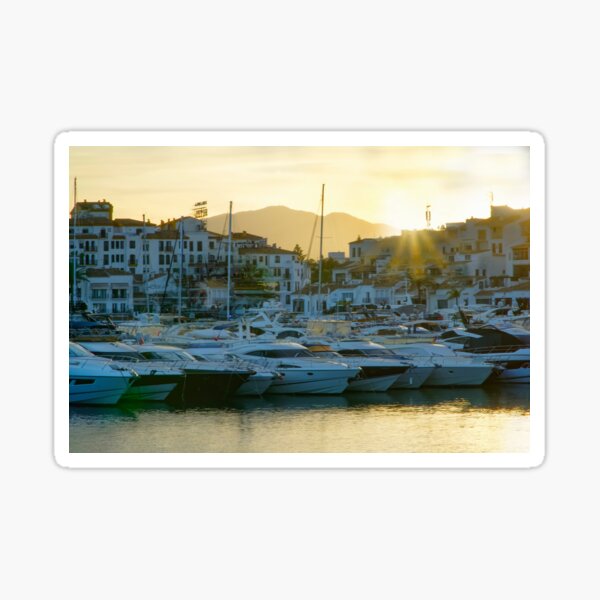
(414, 375)
(206, 383)
(507, 347)
(155, 383)
(94, 380)
(302, 372)
(376, 374)
(449, 368)
(257, 384)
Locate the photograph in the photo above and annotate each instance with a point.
(299, 299)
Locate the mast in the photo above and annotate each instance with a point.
(320, 306)
(144, 255)
(74, 294)
(180, 263)
(229, 262)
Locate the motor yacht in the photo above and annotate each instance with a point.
(156, 382)
(507, 347)
(376, 374)
(94, 380)
(206, 383)
(302, 372)
(414, 374)
(449, 369)
(257, 384)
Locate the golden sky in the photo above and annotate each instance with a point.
(389, 185)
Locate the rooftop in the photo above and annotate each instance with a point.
(100, 273)
(265, 250)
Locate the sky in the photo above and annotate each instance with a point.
(391, 185)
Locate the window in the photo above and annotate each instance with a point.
(132, 244)
(199, 246)
(521, 254)
(277, 259)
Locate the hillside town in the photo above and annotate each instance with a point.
(127, 267)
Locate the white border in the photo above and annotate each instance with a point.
(65, 140)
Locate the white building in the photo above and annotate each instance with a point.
(106, 291)
(281, 269)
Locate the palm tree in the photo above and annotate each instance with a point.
(454, 293)
(81, 273)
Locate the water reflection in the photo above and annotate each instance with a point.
(484, 419)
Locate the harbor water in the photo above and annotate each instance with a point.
(493, 418)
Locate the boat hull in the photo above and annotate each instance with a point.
(152, 388)
(257, 385)
(320, 382)
(97, 390)
(208, 388)
(372, 384)
(458, 376)
(413, 379)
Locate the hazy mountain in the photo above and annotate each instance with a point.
(287, 227)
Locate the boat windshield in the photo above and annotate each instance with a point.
(170, 355)
(324, 351)
(366, 352)
(283, 353)
(79, 351)
(124, 356)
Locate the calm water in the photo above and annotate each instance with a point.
(487, 419)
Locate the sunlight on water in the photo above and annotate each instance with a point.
(493, 419)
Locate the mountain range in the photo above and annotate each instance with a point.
(287, 227)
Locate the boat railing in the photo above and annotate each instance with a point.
(493, 349)
(98, 363)
(93, 334)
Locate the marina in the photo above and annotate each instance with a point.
(183, 339)
(215, 387)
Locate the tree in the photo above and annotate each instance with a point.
(299, 252)
(326, 271)
(454, 293)
(251, 276)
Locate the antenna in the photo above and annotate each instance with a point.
(200, 210)
(491, 200)
(321, 248)
(428, 216)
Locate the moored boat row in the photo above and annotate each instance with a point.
(209, 373)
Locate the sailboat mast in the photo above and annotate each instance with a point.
(229, 261)
(321, 250)
(74, 294)
(180, 262)
(144, 255)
